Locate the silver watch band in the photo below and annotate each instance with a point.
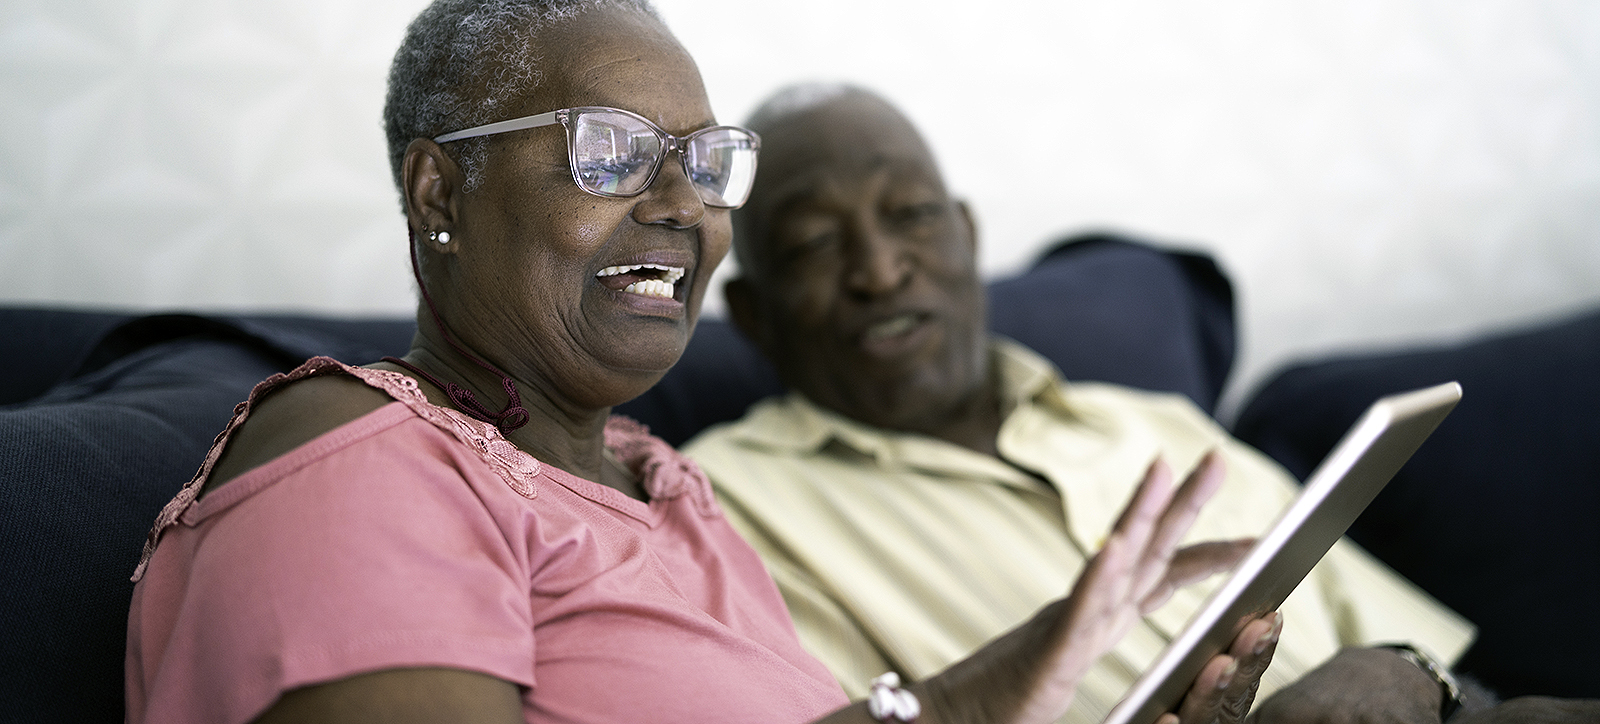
(1450, 689)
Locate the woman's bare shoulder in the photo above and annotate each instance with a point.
(291, 416)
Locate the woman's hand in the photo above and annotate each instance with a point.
(1226, 687)
(1031, 673)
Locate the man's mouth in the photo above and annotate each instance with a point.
(650, 280)
(892, 327)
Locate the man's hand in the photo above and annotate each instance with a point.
(1226, 687)
(1357, 686)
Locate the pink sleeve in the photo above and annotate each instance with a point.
(367, 549)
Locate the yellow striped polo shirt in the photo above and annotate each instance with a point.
(898, 551)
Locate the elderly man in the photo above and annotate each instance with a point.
(925, 487)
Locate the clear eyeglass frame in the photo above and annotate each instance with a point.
(745, 146)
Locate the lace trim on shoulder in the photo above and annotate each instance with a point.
(516, 468)
(664, 472)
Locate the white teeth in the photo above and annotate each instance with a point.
(662, 287)
(669, 274)
(892, 326)
(651, 288)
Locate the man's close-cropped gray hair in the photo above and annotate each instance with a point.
(463, 63)
(786, 102)
(797, 98)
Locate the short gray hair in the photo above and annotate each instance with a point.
(798, 98)
(791, 100)
(463, 62)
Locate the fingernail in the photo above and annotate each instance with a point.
(1226, 680)
(1271, 636)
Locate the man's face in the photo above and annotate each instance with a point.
(865, 292)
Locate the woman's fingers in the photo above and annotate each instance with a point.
(1055, 649)
(1227, 685)
(1150, 501)
(1203, 560)
(1202, 483)
(1113, 575)
(1178, 515)
(1198, 562)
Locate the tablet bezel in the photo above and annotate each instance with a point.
(1335, 494)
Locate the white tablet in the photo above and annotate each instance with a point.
(1335, 494)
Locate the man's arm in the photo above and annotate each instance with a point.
(1357, 685)
(1362, 685)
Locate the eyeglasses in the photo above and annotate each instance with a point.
(618, 153)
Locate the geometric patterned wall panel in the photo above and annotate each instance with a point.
(202, 153)
(1371, 173)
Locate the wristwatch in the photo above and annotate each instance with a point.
(1450, 696)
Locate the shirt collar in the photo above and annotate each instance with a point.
(1025, 377)
(796, 425)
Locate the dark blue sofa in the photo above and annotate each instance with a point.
(1498, 514)
(103, 416)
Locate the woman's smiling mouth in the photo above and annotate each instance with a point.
(650, 280)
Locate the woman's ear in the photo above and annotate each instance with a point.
(431, 182)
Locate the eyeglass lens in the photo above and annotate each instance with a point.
(617, 154)
(613, 153)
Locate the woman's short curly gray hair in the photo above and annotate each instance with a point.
(463, 62)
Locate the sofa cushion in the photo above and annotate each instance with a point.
(87, 466)
(84, 472)
(40, 347)
(1111, 309)
(1496, 514)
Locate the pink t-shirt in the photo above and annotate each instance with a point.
(415, 536)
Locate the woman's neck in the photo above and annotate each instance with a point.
(557, 432)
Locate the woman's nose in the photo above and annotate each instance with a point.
(672, 198)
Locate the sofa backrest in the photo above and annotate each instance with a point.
(134, 402)
(1496, 514)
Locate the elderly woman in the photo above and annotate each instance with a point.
(465, 534)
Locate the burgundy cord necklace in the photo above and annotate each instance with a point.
(512, 416)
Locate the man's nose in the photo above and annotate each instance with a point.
(879, 263)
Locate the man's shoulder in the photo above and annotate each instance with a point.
(776, 425)
(1025, 372)
(1133, 400)
(771, 454)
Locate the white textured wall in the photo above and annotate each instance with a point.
(1371, 172)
